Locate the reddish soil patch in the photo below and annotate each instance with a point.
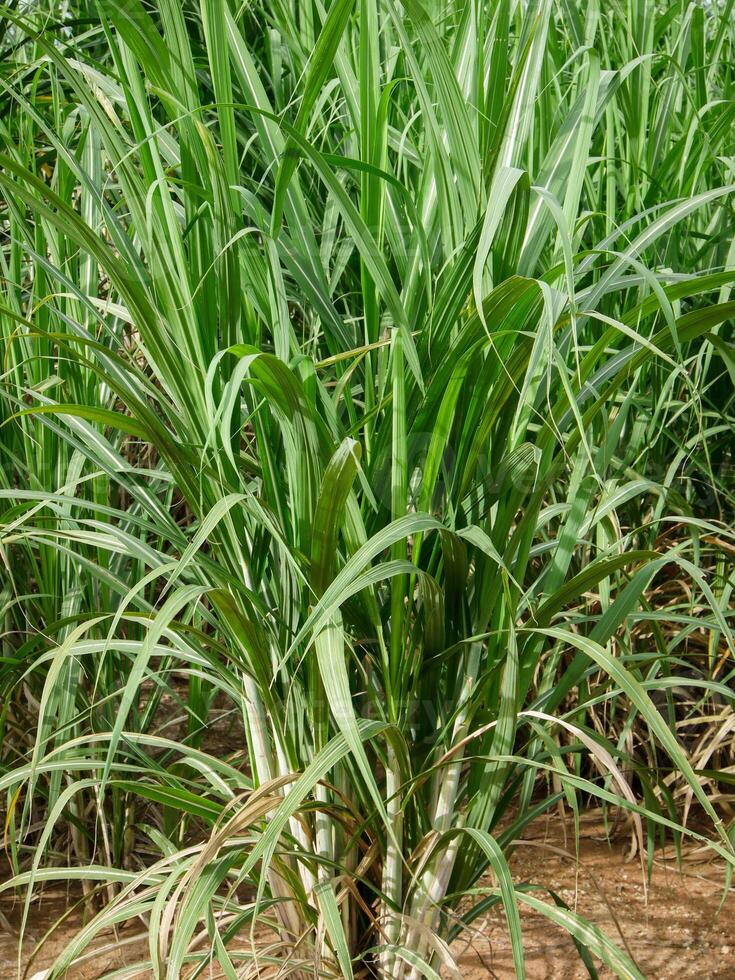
(678, 932)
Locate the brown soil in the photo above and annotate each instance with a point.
(676, 933)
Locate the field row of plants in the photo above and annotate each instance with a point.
(368, 392)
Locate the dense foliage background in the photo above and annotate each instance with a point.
(367, 440)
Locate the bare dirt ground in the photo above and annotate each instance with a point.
(676, 932)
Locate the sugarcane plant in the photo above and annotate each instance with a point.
(367, 368)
